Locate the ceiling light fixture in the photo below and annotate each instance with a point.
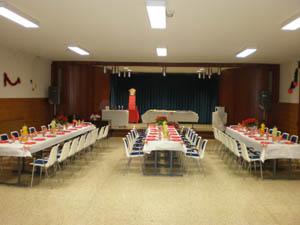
(162, 52)
(17, 16)
(157, 13)
(119, 74)
(293, 25)
(78, 50)
(124, 74)
(129, 73)
(246, 52)
(199, 75)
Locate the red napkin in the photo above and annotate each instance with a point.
(266, 142)
(40, 139)
(150, 139)
(72, 129)
(67, 131)
(51, 136)
(60, 133)
(247, 134)
(251, 136)
(289, 143)
(4, 142)
(259, 139)
(30, 143)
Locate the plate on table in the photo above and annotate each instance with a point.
(40, 139)
(30, 143)
(4, 142)
(266, 142)
(51, 136)
(259, 139)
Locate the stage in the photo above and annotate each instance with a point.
(204, 130)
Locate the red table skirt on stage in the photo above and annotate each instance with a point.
(134, 115)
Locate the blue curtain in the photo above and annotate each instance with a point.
(173, 92)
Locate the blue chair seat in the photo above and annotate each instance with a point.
(137, 153)
(40, 161)
(254, 156)
(192, 154)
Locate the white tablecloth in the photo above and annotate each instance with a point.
(16, 149)
(272, 151)
(118, 118)
(163, 144)
(178, 116)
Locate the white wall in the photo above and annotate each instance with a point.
(287, 71)
(27, 67)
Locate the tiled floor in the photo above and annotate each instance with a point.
(101, 192)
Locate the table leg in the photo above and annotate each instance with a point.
(290, 168)
(171, 162)
(19, 170)
(155, 162)
(274, 168)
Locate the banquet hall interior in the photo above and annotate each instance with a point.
(149, 112)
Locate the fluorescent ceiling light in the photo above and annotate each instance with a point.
(246, 52)
(16, 16)
(78, 50)
(294, 25)
(161, 51)
(157, 13)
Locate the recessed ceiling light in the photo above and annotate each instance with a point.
(17, 16)
(293, 25)
(161, 52)
(246, 52)
(157, 13)
(78, 50)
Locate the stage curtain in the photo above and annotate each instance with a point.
(173, 92)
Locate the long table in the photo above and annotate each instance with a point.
(274, 150)
(24, 150)
(155, 144)
(177, 116)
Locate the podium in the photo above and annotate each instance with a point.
(134, 115)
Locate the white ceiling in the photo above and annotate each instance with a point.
(119, 30)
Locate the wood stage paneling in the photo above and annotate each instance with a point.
(15, 112)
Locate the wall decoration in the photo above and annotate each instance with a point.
(7, 80)
(294, 83)
(34, 85)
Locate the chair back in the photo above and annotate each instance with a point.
(181, 130)
(94, 135)
(203, 147)
(81, 143)
(278, 133)
(106, 131)
(270, 131)
(126, 147)
(245, 153)
(194, 138)
(43, 127)
(4, 137)
(73, 147)
(15, 134)
(65, 151)
(294, 138)
(266, 129)
(101, 133)
(285, 135)
(197, 143)
(52, 156)
(31, 130)
(235, 148)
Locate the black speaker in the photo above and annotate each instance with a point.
(54, 95)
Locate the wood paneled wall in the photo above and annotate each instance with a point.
(239, 91)
(84, 88)
(286, 116)
(15, 112)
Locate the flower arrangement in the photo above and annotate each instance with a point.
(61, 120)
(250, 122)
(161, 119)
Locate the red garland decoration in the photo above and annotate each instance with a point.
(294, 83)
(6, 79)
